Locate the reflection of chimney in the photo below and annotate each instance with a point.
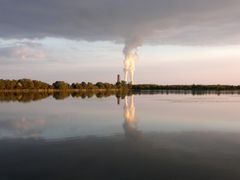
(118, 78)
(118, 100)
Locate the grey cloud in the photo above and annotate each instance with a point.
(154, 21)
(6, 52)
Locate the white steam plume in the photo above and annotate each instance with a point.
(130, 57)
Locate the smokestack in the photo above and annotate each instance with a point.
(118, 78)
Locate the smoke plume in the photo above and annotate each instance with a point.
(130, 57)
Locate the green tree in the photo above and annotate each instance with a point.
(61, 85)
(79, 86)
(10, 84)
(73, 85)
(25, 84)
(100, 85)
(90, 85)
(2, 84)
(107, 86)
(123, 83)
(84, 85)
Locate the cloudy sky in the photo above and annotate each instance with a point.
(180, 41)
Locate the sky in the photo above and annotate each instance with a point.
(177, 41)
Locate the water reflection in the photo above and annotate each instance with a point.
(50, 119)
(21, 128)
(27, 97)
(130, 122)
(169, 137)
(29, 126)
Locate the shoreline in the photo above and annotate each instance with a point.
(61, 90)
(133, 89)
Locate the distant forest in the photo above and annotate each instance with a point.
(28, 84)
(142, 87)
(26, 90)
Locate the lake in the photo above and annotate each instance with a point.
(149, 136)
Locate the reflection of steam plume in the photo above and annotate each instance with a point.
(130, 123)
(129, 112)
(130, 54)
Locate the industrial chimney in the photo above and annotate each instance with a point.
(118, 78)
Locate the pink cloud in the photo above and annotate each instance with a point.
(28, 53)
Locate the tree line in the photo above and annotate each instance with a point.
(28, 84)
(193, 87)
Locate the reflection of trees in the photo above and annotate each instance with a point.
(28, 96)
(61, 95)
(130, 122)
(23, 96)
(191, 92)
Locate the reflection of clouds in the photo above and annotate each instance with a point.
(23, 128)
(130, 122)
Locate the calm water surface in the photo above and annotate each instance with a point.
(160, 136)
